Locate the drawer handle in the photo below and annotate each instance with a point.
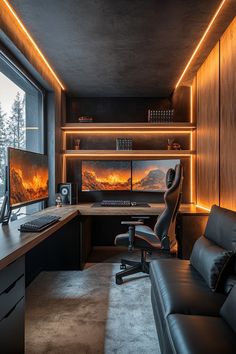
(9, 312)
(10, 287)
(13, 308)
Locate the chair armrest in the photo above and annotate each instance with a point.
(134, 223)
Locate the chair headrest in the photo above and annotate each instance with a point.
(170, 176)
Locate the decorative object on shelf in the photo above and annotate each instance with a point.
(170, 142)
(176, 146)
(160, 116)
(58, 200)
(77, 144)
(173, 146)
(85, 119)
(124, 144)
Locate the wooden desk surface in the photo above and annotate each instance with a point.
(155, 209)
(14, 244)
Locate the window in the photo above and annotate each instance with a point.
(21, 114)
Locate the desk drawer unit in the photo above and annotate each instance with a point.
(10, 296)
(12, 292)
(11, 273)
(12, 330)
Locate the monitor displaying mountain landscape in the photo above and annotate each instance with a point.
(28, 177)
(106, 175)
(150, 176)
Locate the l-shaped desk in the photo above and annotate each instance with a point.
(64, 245)
(14, 244)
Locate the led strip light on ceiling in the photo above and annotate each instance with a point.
(33, 43)
(200, 42)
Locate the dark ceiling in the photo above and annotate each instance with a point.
(117, 47)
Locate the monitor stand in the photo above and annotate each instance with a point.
(5, 212)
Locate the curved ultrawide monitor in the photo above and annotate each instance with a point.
(106, 175)
(28, 177)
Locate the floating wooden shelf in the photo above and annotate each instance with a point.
(126, 154)
(126, 127)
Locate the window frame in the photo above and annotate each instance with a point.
(18, 74)
(25, 76)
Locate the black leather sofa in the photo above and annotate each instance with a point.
(194, 302)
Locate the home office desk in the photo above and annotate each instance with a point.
(14, 244)
(154, 209)
(64, 245)
(191, 221)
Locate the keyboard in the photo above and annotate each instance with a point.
(116, 203)
(39, 224)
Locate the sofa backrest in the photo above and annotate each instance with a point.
(221, 229)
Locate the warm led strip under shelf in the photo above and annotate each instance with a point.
(116, 154)
(78, 132)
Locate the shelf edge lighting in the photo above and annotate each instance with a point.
(125, 155)
(200, 42)
(202, 207)
(127, 132)
(33, 42)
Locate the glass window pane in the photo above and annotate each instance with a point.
(21, 117)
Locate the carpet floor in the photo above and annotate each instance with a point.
(74, 312)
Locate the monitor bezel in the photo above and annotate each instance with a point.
(33, 201)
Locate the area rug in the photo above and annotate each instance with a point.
(85, 312)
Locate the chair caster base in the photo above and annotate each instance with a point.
(119, 281)
(123, 267)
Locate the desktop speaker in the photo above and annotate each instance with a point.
(68, 192)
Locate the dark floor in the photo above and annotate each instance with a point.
(112, 254)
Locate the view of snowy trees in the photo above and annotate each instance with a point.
(12, 131)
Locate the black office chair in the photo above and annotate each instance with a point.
(162, 238)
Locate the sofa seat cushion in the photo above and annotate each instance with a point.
(179, 288)
(200, 334)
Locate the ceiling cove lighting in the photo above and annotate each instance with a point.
(200, 42)
(33, 43)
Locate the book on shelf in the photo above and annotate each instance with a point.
(124, 144)
(160, 116)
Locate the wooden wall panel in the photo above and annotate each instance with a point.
(228, 118)
(208, 131)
